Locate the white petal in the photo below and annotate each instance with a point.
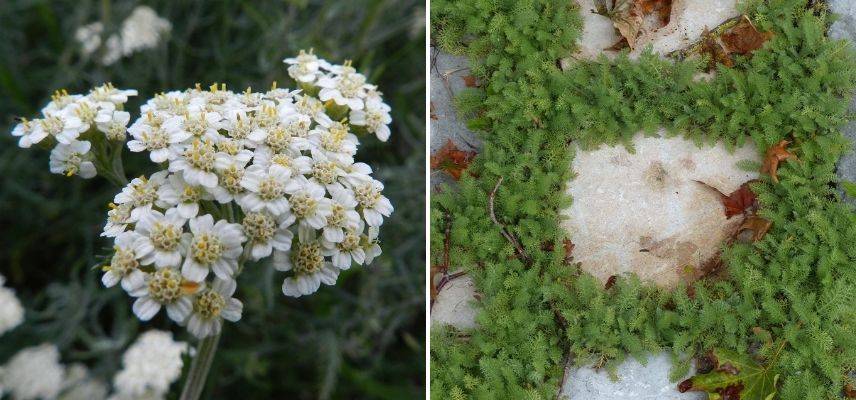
(145, 308)
(180, 309)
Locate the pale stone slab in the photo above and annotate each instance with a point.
(635, 382)
(644, 213)
(687, 23)
(845, 28)
(454, 304)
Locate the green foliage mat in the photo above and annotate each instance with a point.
(794, 289)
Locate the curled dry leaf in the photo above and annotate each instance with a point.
(744, 38)
(740, 201)
(776, 154)
(759, 227)
(633, 17)
(451, 160)
(740, 38)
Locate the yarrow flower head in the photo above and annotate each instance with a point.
(143, 29)
(149, 366)
(78, 128)
(242, 176)
(33, 373)
(11, 311)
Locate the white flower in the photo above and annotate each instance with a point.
(200, 125)
(308, 205)
(296, 163)
(343, 215)
(114, 124)
(374, 205)
(124, 265)
(64, 128)
(165, 287)
(150, 136)
(176, 192)
(161, 238)
(214, 247)
(72, 159)
(335, 139)
(266, 232)
(89, 37)
(212, 306)
(305, 67)
(26, 131)
(141, 193)
(265, 189)
(150, 366)
(370, 245)
(118, 219)
(11, 311)
(33, 373)
(197, 164)
(306, 261)
(345, 86)
(375, 118)
(347, 249)
(87, 110)
(107, 93)
(143, 29)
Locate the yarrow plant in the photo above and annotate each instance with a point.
(242, 177)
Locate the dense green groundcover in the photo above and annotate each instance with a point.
(362, 338)
(797, 285)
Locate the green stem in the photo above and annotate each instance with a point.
(195, 382)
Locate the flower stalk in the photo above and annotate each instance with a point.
(198, 373)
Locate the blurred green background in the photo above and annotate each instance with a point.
(363, 338)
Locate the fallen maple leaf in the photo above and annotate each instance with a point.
(775, 154)
(734, 376)
(451, 160)
(433, 114)
(470, 81)
(759, 227)
(737, 202)
(744, 38)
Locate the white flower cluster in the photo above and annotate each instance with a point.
(149, 367)
(142, 30)
(33, 373)
(244, 176)
(345, 87)
(73, 124)
(11, 311)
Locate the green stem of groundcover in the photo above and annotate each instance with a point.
(195, 382)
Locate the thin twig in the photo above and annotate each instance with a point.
(517, 247)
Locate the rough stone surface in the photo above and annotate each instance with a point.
(687, 23)
(644, 213)
(635, 382)
(688, 20)
(598, 33)
(845, 28)
(447, 73)
(454, 304)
